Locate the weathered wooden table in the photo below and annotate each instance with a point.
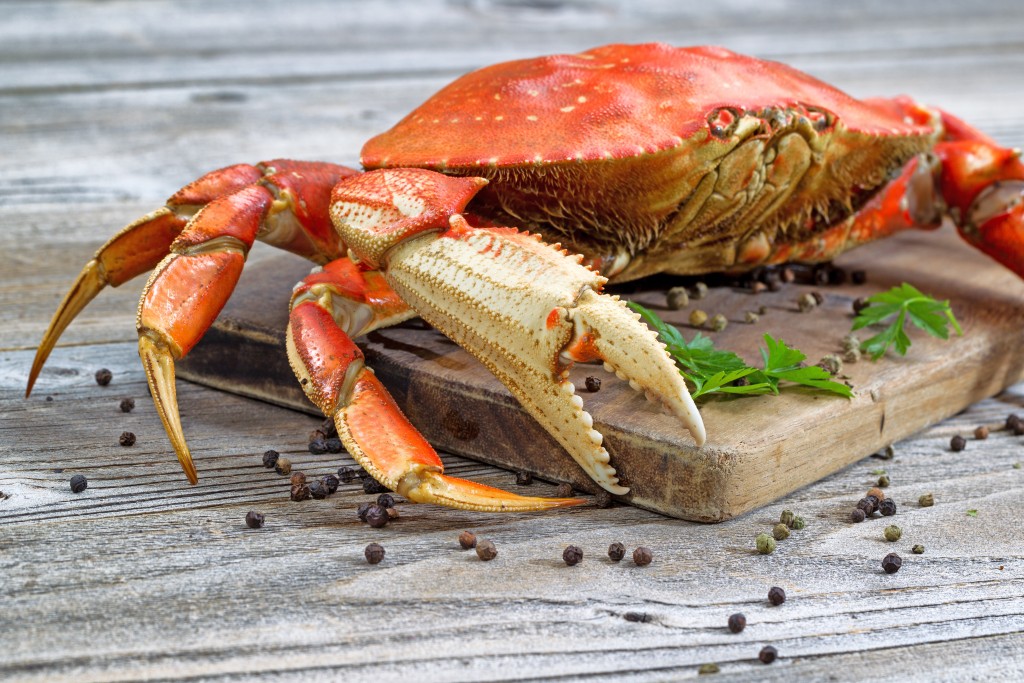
(105, 108)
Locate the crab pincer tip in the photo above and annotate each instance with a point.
(159, 366)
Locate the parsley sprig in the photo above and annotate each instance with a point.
(712, 370)
(906, 303)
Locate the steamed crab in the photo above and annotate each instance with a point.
(621, 162)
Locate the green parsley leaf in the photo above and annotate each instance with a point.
(905, 302)
(972, 513)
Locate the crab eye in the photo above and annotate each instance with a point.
(722, 121)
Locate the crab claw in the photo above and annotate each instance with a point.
(524, 308)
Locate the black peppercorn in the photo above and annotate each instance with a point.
(776, 596)
(857, 515)
(572, 555)
(887, 507)
(372, 486)
(79, 483)
(330, 482)
(362, 510)
(347, 475)
(270, 458)
(377, 516)
(334, 445)
(103, 377)
(957, 443)
(317, 489)
(642, 556)
(768, 654)
(386, 500)
(374, 553)
(486, 551)
(858, 277)
(299, 492)
(563, 491)
(616, 551)
(254, 520)
(603, 499)
(1015, 424)
(859, 304)
(467, 540)
(737, 622)
(524, 478)
(593, 384)
(318, 446)
(283, 466)
(127, 405)
(891, 563)
(126, 439)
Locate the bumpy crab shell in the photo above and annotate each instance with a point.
(651, 158)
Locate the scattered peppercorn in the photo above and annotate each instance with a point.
(374, 553)
(859, 304)
(1015, 424)
(798, 523)
(347, 475)
(386, 500)
(819, 298)
(851, 355)
(603, 499)
(750, 317)
(858, 277)
(330, 482)
(857, 515)
(776, 595)
(362, 510)
(392, 513)
(467, 540)
(563, 491)
(270, 458)
(700, 290)
(831, 363)
(780, 532)
(893, 533)
(718, 322)
(283, 466)
(640, 617)
(708, 669)
(765, 544)
(642, 556)
(318, 446)
(572, 555)
(891, 563)
(851, 341)
(486, 551)
(126, 439)
(79, 483)
(957, 443)
(328, 427)
(593, 384)
(524, 478)
(127, 405)
(887, 507)
(317, 489)
(768, 654)
(787, 517)
(677, 297)
(762, 310)
(878, 493)
(616, 551)
(927, 500)
(103, 377)
(737, 622)
(981, 433)
(884, 480)
(254, 520)
(298, 478)
(372, 486)
(299, 492)
(918, 549)
(334, 445)
(377, 516)
(698, 317)
(807, 302)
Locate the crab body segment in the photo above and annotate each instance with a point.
(635, 159)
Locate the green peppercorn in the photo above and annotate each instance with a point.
(893, 533)
(780, 532)
(926, 501)
(918, 549)
(883, 480)
(765, 544)
(698, 318)
(677, 298)
(787, 517)
(798, 523)
(718, 322)
(708, 669)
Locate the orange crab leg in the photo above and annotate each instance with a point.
(329, 308)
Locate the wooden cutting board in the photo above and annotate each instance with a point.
(758, 448)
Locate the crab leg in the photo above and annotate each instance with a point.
(329, 308)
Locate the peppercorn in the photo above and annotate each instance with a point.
(700, 290)
(750, 317)
(330, 482)
(878, 493)
(467, 540)
(957, 443)
(523, 478)
(318, 446)
(893, 533)
(737, 622)
(283, 466)
(374, 553)
(593, 384)
(806, 303)
(858, 277)
(641, 617)
(762, 310)
(642, 556)
(362, 510)
(851, 355)
(298, 478)
(887, 507)
(857, 515)
(386, 500)
(708, 669)
(299, 492)
(486, 551)
(318, 490)
(767, 654)
(698, 317)
(572, 555)
(616, 551)
(787, 517)
(677, 297)
(774, 282)
(377, 517)
(127, 405)
(831, 364)
(851, 341)
(869, 504)
(780, 532)
(126, 439)
(328, 427)
(254, 520)
(765, 544)
(79, 483)
(718, 322)
(372, 486)
(603, 499)
(103, 377)
(392, 513)
(891, 563)
(859, 304)
(758, 287)
(798, 523)
(563, 491)
(776, 595)
(918, 549)
(270, 458)
(347, 475)
(1015, 424)
(884, 480)
(927, 500)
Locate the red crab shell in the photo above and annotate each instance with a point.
(619, 150)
